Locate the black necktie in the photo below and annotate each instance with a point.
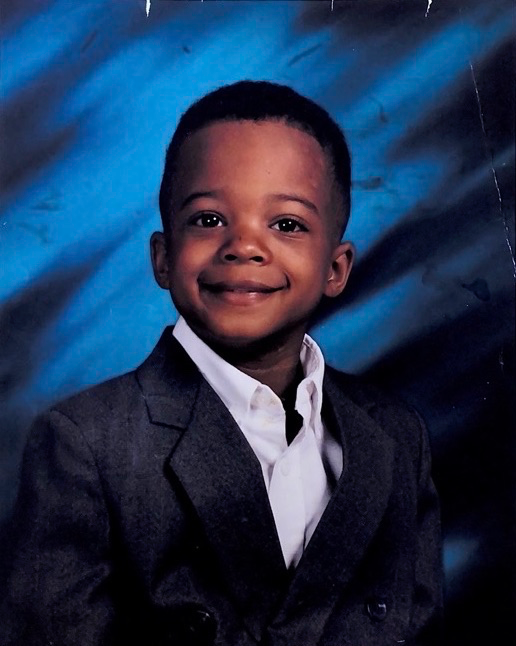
(293, 424)
(293, 420)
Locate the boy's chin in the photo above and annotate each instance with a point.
(245, 341)
(240, 340)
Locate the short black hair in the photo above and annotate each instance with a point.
(261, 101)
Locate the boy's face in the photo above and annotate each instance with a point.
(252, 246)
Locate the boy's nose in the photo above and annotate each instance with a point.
(245, 245)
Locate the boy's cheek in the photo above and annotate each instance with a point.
(190, 250)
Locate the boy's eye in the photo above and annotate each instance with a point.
(207, 220)
(289, 225)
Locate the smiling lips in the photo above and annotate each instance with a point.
(239, 292)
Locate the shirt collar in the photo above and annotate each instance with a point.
(236, 389)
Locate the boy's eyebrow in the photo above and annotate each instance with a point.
(196, 196)
(291, 197)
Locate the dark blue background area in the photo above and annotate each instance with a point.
(91, 93)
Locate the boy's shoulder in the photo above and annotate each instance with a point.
(364, 391)
(166, 373)
(373, 402)
(139, 413)
(361, 390)
(100, 401)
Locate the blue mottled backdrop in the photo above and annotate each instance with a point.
(91, 93)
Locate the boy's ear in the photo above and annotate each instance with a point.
(339, 270)
(159, 257)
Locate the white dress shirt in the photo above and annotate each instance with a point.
(298, 477)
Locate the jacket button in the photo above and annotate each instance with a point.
(377, 610)
(202, 627)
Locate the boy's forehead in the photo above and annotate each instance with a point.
(282, 151)
(243, 133)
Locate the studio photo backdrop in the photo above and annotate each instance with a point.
(91, 92)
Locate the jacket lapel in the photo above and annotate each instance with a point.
(222, 478)
(349, 521)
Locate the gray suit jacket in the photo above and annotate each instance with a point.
(143, 518)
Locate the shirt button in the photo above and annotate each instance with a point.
(285, 468)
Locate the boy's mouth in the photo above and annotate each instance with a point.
(240, 287)
(246, 292)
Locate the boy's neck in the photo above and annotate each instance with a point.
(274, 364)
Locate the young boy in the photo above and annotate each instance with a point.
(233, 490)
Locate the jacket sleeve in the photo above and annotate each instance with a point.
(426, 622)
(59, 572)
